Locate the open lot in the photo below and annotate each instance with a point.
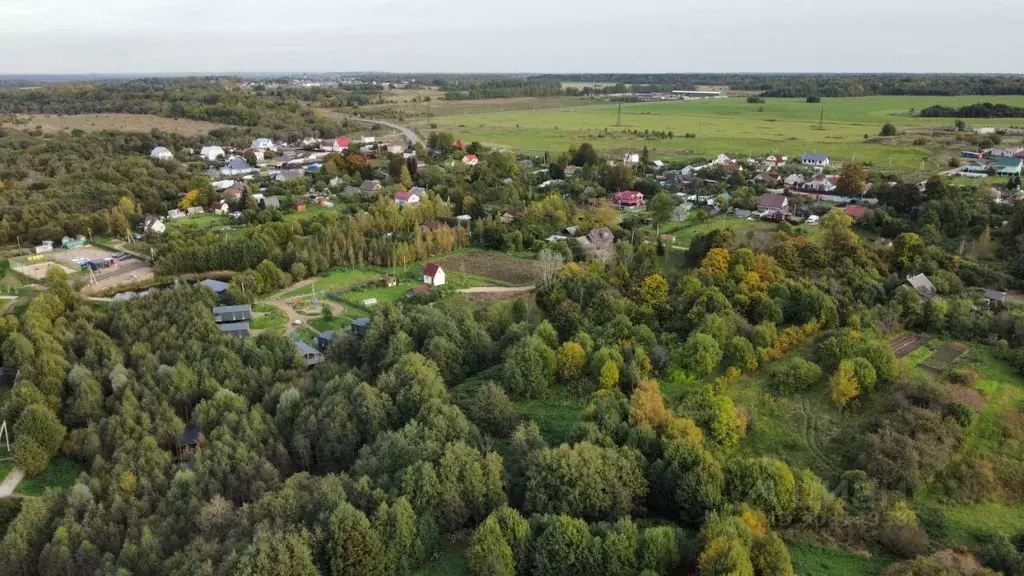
(786, 126)
(685, 231)
(494, 266)
(115, 122)
(39, 270)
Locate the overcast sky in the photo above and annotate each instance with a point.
(168, 36)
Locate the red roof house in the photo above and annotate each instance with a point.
(628, 199)
(342, 143)
(857, 212)
(470, 160)
(773, 203)
(460, 144)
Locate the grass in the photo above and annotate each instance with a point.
(115, 122)
(452, 563)
(335, 281)
(814, 560)
(198, 222)
(685, 231)
(786, 126)
(964, 521)
(267, 316)
(61, 475)
(556, 416)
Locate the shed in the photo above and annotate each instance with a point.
(216, 286)
(922, 284)
(311, 356)
(359, 325)
(324, 339)
(995, 296)
(433, 274)
(227, 314)
(236, 329)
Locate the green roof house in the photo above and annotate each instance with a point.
(1008, 166)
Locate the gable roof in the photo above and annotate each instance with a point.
(342, 142)
(431, 269)
(995, 295)
(922, 284)
(601, 237)
(856, 211)
(369, 185)
(811, 157)
(772, 201)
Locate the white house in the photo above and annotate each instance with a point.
(161, 153)
(154, 225)
(263, 144)
(211, 153)
(815, 160)
(367, 140)
(823, 184)
(630, 158)
(793, 180)
(403, 198)
(219, 207)
(433, 275)
(175, 214)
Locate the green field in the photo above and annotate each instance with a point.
(267, 316)
(786, 126)
(201, 221)
(814, 560)
(61, 474)
(685, 231)
(335, 281)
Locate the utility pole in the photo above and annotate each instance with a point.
(821, 120)
(619, 121)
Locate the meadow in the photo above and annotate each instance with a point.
(116, 122)
(731, 125)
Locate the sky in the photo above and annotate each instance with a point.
(640, 36)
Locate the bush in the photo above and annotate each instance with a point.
(813, 99)
(962, 413)
(888, 130)
(906, 540)
(793, 375)
(962, 376)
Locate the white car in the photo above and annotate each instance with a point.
(812, 220)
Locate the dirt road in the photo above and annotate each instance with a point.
(11, 482)
(411, 136)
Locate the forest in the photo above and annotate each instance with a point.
(982, 110)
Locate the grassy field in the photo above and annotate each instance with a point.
(688, 229)
(786, 126)
(266, 316)
(61, 474)
(115, 122)
(201, 221)
(500, 268)
(337, 280)
(814, 560)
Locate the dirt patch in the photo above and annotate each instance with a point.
(495, 266)
(969, 396)
(117, 122)
(39, 270)
(943, 357)
(906, 344)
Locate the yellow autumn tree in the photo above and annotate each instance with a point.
(188, 200)
(845, 386)
(609, 376)
(654, 289)
(716, 262)
(684, 429)
(647, 406)
(572, 360)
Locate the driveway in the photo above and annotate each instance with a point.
(11, 482)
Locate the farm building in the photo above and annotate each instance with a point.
(770, 203)
(628, 199)
(311, 356)
(239, 313)
(211, 153)
(216, 286)
(161, 153)
(810, 159)
(433, 275)
(923, 285)
(236, 329)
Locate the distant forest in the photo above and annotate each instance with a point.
(825, 85)
(983, 110)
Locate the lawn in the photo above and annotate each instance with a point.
(336, 281)
(814, 560)
(198, 222)
(786, 126)
(61, 474)
(266, 316)
(690, 228)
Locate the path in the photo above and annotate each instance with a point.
(411, 136)
(11, 482)
(285, 305)
(496, 289)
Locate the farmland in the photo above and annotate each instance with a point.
(786, 126)
(498, 267)
(114, 122)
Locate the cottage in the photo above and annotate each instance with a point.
(821, 184)
(162, 154)
(237, 167)
(403, 198)
(433, 275)
(1008, 166)
(195, 211)
(352, 191)
(216, 286)
(419, 191)
(628, 199)
(682, 212)
(188, 442)
(212, 153)
(818, 160)
(263, 144)
(299, 206)
(771, 203)
(630, 158)
(856, 212)
(234, 329)
(470, 160)
(175, 214)
(598, 239)
(418, 290)
(793, 181)
(388, 281)
(311, 356)
(228, 314)
(270, 202)
(923, 285)
(370, 186)
(219, 207)
(287, 175)
(324, 339)
(770, 177)
(338, 144)
(152, 225)
(776, 160)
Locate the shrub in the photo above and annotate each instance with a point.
(962, 413)
(907, 540)
(793, 375)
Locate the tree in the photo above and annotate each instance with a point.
(609, 377)
(888, 130)
(405, 178)
(852, 179)
(844, 385)
(723, 557)
(739, 353)
(647, 406)
(586, 481)
(354, 549)
(700, 355)
(272, 552)
(764, 483)
(769, 555)
(490, 555)
(492, 410)
(565, 548)
(618, 177)
(572, 361)
(661, 207)
(529, 367)
(654, 289)
(794, 374)
(38, 435)
(585, 154)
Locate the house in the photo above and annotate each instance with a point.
(598, 239)
(975, 167)
(630, 158)
(459, 144)
(770, 176)
(153, 225)
(370, 186)
(367, 139)
(821, 184)
(263, 144)
(793, 181)
(922, 284)
(286, 175)
(219, 207)
(235, 329)
(237, 167)
(771, 203)
(820, 160)
(995, 296)
(216, 286)
(256, 153)
(188, 442)
(175, 214)
(324, 339)
(1008, 166)
(270, 202)
(403, 198)
(195, 211)
(397, 147)
(433, 275)
(228, 314)
(470, 160)
(658, 164)
(776, 160)
(682, 212)
(856, 212)
(419, 191)
(337, 145)
(221, 185)
(506, 217)
(1005, 152)
(628, 199)
(388, 281)
(234, 193)
(352, 191)
(311, 356)
(212, 153)
(161, 153)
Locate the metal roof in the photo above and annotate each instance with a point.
(306, 349)
(234, 327)
(216, 285)
(232, 309)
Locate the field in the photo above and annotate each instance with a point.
(199, 221)
(115, 122)
(685, 231)
(814, 560)
(786, 126)
(495, 266)
(61, 474)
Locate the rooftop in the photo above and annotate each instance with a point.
(234, 327)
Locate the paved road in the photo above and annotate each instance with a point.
(409, 134)
(11, 482)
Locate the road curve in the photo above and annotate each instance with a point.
(405, 130)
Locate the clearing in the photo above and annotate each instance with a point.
(60, 475)
(685, 231)
(495, 266)
(814, 560)
(116, 122)
(906, 344)
(787, 126)
(942, 358)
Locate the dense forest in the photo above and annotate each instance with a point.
(982, 110)
(480, 90)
